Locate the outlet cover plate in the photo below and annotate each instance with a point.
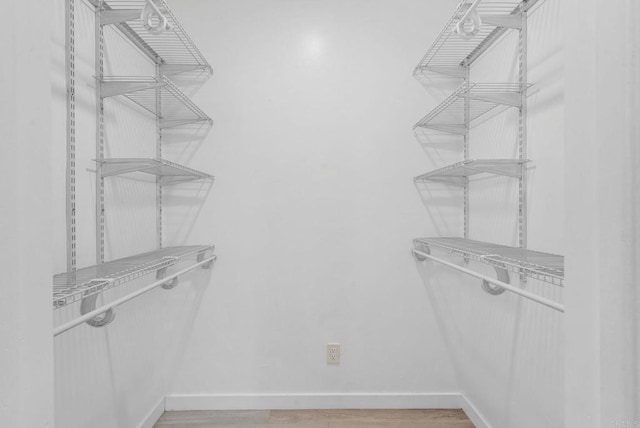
(333, 353)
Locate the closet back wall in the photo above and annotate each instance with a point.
(313, 210)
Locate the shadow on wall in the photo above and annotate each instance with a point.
(190, 81)
(184, 204)
(507, 343)
(443, 204)
(111, 376)
(189, 136)
(433, 141)
(439, 86)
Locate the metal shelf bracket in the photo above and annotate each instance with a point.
(450, 129)
(174, 123)
(454, 71)
(171, 69)
(114, 16)
(513, 21)
(112, 89)
(509, 99)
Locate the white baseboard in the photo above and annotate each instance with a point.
(314, 401)
(153, 415)
(473, 414)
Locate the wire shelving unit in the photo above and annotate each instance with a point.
(450, 54)
(169, 172)
(469, 102)
(176, 108)
(475, 26)
(173, 49)
(151, 27)
(74, 286)
(535, 264)
(458, 173)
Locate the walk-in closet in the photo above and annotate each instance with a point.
(320, 214)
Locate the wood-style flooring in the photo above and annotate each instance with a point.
(316, 419)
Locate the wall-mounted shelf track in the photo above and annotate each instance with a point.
(173, 50)
(450, 53)
(176, 108)
(458, 173)
(169, 172)
(468, 103)
(74, 286)
(534, 264)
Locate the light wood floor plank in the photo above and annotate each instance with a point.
(214, 416)
(293, 416)
(243, 425)
(316, 419)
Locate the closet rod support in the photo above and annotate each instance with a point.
(88, 305)
(206, 265)
(169, 284)
(494, 290)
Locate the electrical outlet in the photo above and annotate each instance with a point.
(333, 353)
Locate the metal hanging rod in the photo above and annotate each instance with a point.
(527, 295)
(111, 306)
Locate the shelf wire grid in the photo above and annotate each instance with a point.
(454, 115)
(172, 49)
(534, 264)
(169, 172)
(450, 53)
(176, 109)
(457, 173)
(73, 286)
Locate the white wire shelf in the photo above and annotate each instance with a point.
(450, 53)
(71, 287)
(452, 117)
(169, 172)
(534, 264)
(175, 108)
(458, 173)
(172, 49)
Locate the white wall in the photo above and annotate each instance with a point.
(507, 351)
(26, 369)
(603, 306)
(313, 210)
